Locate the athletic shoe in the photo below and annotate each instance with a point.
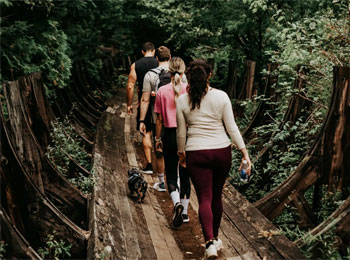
(211, 252)
(217, 244)
(159, 186)
(177, 217)
(148, 169)
(185, 218)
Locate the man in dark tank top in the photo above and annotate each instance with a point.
(137, 73)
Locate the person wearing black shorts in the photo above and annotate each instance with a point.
(137, 73)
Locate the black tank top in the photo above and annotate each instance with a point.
(142, 66)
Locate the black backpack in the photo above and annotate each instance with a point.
(164, 78)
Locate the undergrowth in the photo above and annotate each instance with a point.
(54, 248)
(65, 142)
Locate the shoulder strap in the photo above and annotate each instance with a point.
(154, 71)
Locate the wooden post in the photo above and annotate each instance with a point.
(248, 82)
(232, 79)
(336, 134)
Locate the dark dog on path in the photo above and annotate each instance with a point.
(137, 185)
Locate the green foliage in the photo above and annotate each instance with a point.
(2, 249)
(64, 142)
(3, 103)
(54, 249)
(83, 183)
(50, 36)
(305, 42)
(27, 48)
(329, 203)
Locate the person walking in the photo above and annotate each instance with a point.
(137, 73)
(152, 79)
(204, 148)
(165, 108)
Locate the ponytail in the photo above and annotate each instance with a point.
(176, 67)
(198, 74)
(177, 86)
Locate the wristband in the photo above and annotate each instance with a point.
(158, 139)
(142, 121)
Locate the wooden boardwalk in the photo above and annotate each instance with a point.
(143, 230)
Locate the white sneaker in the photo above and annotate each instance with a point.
(185, 218)
(211, 252)
(159, 186)
(217, 244)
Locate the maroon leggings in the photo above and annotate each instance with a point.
(208, 170)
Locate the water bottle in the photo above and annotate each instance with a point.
(243, 173)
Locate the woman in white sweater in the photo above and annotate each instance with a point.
(204, 147)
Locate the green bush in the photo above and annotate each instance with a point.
(64, 142)
(54, 249)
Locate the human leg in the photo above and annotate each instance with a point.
(185, 191)
(147, 148)
(223, 159)
(171, 162)
(198, 163)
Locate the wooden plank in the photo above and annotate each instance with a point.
(234, 244)
(163, 241)
(141, 232)
(285, 247)
(165, 229)
(261, 245)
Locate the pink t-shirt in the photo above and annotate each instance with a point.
(165, 104)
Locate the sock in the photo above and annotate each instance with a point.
(161, 177)
(208, 244)
(175, 197)
(185, 204)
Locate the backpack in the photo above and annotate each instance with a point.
(164, 78)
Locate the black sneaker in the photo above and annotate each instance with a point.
(185, 218)
(177, 217)
(148, 169)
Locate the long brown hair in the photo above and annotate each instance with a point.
(198, 74)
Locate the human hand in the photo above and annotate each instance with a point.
(130, 110)
(159, 146)
(182, 159)
(142, 128)
(248, 170)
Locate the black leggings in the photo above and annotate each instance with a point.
(171, 160)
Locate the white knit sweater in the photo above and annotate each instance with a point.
(203, 128)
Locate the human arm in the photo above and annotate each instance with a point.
(145, 100)
(234, 133)
(159, 125)
(130, 88)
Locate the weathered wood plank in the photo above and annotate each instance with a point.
(280, 243)
(163, 241)
(242, 223)
(55, 186)
(17, 246)
(41, 216)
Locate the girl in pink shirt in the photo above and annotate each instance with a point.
(165, 107)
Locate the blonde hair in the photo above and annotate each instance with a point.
(176, 67)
